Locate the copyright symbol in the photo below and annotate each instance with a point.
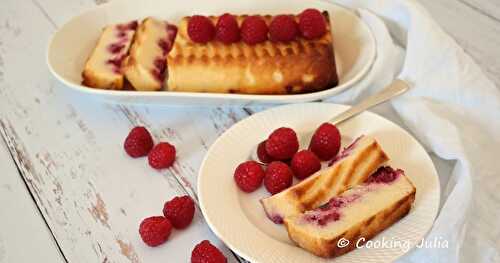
(343, 243)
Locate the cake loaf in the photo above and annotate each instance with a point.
(357, 215)
(353, 166)
(145, 67)
(298, 66)
(103, 69)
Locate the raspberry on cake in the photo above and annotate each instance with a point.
(357, 215)
(103, 69)
(145, 67)
(255, 64)
(363, 159)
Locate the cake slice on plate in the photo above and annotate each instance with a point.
(145, 67)
(357, 215)
(103, 69)
(353, 166)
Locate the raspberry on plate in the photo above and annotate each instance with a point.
(138, 142)
(248, 176)
(200, 29)
(155, 230)
(227, 30)
(278, 177)
(162, 155)
(180, 211)
(325, 142)
(262, 153)
(283, 28)
(254, 30)
(205, 252)
(312, 24)
(305, 163)
(282, 144)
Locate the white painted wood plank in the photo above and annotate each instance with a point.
(476, 32)
(69, 150)
(22, 227)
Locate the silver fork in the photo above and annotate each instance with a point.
(397, 87)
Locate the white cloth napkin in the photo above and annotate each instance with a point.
(454, 111)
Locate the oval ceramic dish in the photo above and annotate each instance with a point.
(70, 46)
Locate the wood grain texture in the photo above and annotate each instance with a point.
(22, 228)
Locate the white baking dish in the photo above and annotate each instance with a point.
(354, 44)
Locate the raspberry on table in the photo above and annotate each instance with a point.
(305, 163)
(278, 177)
(248, 176)
(262, 153)
(282, 144)
(138, 142)
(200, 29)
(180, 211)
(312, 23)
(283, 28)
(162, 155)
(205, 252)
(227, 30)
(325, 142)
(155, 230)
(254, 30)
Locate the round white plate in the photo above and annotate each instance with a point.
(70, 46)
(238, 219)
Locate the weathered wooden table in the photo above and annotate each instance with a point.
(68, 192)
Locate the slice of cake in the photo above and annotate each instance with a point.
(298, 66)
(357, 215)
(145, 67)
(103, 69)
(356, 163)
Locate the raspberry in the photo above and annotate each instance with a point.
(180, 211)
(282, 144)
(227, 30)
(248, 176)
(305, 163)
(200, 29)
(283, 28)
(278, 177)
(312, 24)
(262, 153)
(138, 142)
(205, 252)
(162, 155)
(155, 230)
(254, 30)
(325, 142)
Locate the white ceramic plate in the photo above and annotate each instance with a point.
(70, 46)
(238, 219)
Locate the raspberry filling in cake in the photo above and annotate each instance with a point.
(333, 209)
(119, 40)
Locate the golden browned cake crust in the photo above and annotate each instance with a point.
(266, 68)
(358, 234)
